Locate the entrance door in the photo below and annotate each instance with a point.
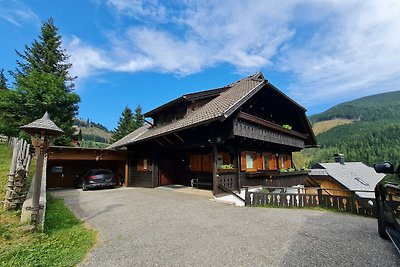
(166, 170)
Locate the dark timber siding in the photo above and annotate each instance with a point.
(139, 179)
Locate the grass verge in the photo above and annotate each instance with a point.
(65, 241)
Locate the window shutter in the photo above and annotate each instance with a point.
(272, 162)
(258, 161)
(226, 158)
(243, 161)
(206, 162)
(288, 162)
(195, 162)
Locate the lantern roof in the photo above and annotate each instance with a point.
(43, 124)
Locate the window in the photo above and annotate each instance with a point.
(142, 165)
(57, 169)
(249, 161)
(266, 162)
(282, 162)
(145, 164)
(220, 160)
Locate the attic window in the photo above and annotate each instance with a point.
(361, 181)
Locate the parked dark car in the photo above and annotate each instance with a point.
(95, 178)
(387, 194)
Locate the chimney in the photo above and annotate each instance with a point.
(339, 158)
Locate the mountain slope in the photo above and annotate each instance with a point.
(92, 131)
(373, 135)
(384, 106)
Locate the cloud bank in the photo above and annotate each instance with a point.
(330, 49)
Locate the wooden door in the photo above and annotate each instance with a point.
(166, 170)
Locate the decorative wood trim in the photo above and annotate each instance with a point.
(247, 130)
(251, 118)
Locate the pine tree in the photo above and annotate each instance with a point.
(126, 125)
(3, 80)
(138, 117)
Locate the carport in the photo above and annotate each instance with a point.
(65, 164)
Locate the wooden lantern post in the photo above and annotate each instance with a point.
(42, 132)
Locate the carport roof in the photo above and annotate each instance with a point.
(83, 153)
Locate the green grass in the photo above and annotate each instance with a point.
(64, 242)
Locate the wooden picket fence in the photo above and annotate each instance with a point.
(352, 203)
(21, 158)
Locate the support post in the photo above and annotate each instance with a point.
(126, 180)
(41, 147)
(214, 166)
(237, 157)
(154, 168)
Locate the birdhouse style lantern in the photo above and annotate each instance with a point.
(42, 131)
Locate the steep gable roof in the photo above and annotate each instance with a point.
(218, 108)
(352, 175)
(225, 102)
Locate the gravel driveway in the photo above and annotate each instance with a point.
(156, 227)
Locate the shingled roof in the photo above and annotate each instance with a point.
(352, 175)
(44, 123)
(227, 101)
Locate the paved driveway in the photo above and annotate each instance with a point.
(156, 227)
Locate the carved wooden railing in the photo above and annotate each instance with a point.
(351, 203)
(228, 180)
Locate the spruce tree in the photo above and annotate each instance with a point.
(3, 80)
(138, 117)
(42, 83)
(126, 125)
(46, 55)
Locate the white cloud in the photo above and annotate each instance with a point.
(358, 55)
(138, 8)
(332, 49)
(86, 59)
(17, 13)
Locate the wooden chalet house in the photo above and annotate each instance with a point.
(239, 135)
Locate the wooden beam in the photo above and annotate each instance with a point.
(180, 138)
(159, 142)
(169, 141)
(87, 155)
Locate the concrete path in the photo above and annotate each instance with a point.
(155, 227)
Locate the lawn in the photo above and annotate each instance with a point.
(64, 242)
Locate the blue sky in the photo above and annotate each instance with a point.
(320, 53)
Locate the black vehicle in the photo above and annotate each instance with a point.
(97, 178)
(387, 194)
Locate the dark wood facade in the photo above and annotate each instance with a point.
(251, 144)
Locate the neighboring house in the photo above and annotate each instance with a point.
(237, 135)
(346, 178)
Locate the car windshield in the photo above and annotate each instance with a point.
(100, 171)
